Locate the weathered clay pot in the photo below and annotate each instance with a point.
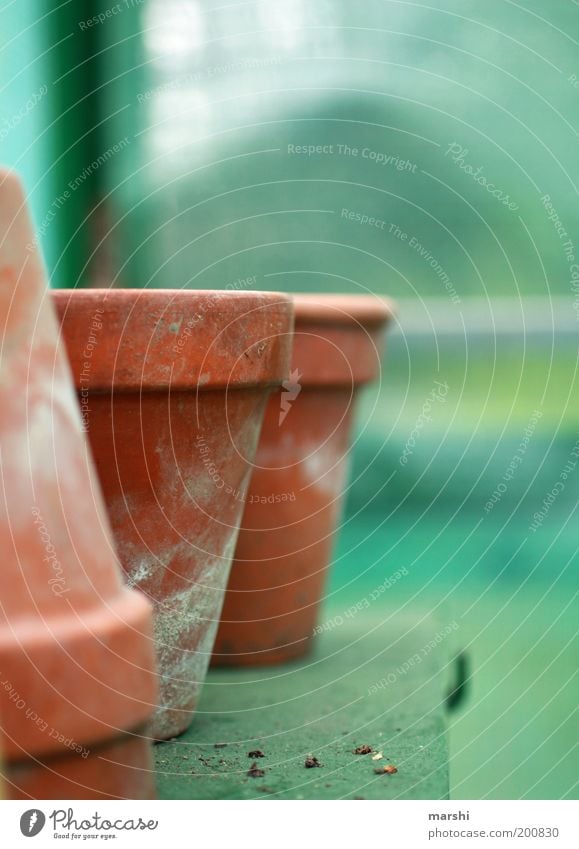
(173, 386)
(77, 680)
(294, 500)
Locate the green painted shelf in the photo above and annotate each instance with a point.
(326, 705)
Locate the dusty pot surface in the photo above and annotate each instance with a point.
(172, 388)
(77, 673)
(293, 504)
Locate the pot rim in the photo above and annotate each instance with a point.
(178, 339)
(160, 296)
(342, 309)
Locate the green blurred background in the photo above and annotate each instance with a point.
(193, 143)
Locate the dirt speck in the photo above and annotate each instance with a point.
(362, 750)
(254, 771)
(256, 753)
(219, 745)
(311, 762)
(389, 769)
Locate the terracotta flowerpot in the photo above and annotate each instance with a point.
(295, 496)
(173, 386)
(77, 680)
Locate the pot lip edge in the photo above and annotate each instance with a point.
(119, 295)
(327, 308)
(343, 309)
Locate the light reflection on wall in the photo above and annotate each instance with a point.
(283, 19)
(215, 68)
(174, 33)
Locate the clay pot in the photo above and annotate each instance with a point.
(293, 505)
(77, 680)
(173, 386)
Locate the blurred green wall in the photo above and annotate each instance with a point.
(49, 129)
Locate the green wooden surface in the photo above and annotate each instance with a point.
(325, 705)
